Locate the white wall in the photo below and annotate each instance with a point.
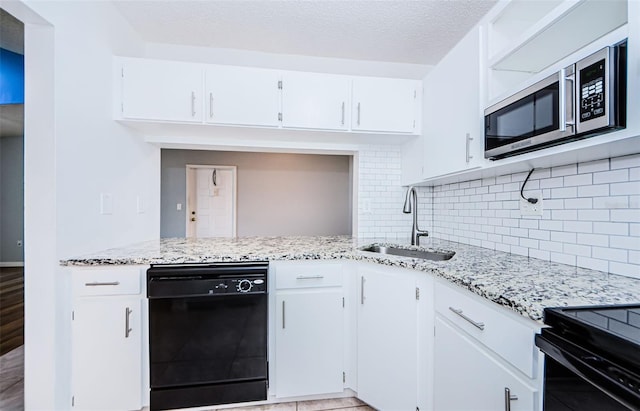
(278, 194)
(73, 152)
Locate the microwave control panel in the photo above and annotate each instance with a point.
(592, 91)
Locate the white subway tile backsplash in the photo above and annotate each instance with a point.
(593, 190)
(628, 243)
(552, 182)
(540, 254)
(578, 180)
(629, 270)
(614, 176)
(577, 203)
(611, 254)
(593, 263)
(565, 192)
(563, 258)
(625, 161)
(576, 249)
(591, 212)
(593, 215)
(600, 240)
(593, 166)
(630, 188)
(564, 170)
(631, 215)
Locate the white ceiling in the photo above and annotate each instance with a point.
(402, 31)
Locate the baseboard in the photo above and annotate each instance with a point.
(12, 264)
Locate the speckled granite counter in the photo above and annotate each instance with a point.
(526, 285)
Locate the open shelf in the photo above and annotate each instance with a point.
(546, 32)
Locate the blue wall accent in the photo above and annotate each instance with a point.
(11, 77)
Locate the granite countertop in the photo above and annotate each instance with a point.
(526, 285)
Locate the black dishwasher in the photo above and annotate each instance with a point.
(207, 334)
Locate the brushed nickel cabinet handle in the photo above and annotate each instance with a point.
(211, 105)
(362, 290)
(358, 122)
(342, 121)
(127, 316)
(193, 104)
(476, 324)
(508, 398)
(283, 314)
(309, 277)
(99, 284)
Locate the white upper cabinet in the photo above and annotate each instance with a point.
(385, 105)
(312, 100)
(161, 90)
(453, 132)
(241, 96)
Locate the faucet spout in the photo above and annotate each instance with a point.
(411, 206)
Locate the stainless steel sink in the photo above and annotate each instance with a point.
(427, 255)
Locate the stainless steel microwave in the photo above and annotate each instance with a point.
(582, 100)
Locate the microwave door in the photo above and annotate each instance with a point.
(537, 115)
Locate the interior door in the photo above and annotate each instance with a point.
(211, 198)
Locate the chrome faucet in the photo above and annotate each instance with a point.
(411, 204)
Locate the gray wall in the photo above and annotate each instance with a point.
(11, 198)
(278, 194)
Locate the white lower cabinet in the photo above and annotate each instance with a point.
(106, 340)
(387, 338)
(483, 354)
(309, 351)
(309, 329)
(469, 378)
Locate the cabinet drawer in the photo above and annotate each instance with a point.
(88, 282)
(308, 275)
(511, 339)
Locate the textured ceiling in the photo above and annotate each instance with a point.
(403, 31)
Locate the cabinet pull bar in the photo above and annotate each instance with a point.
(476, 324)
(211, 105)
(97, 284)
(468, 155)
(127, 328)
(342, 121)
(508, 398)
(193, 104)
(309, 277)
(283, 314)
(358, 122)
(362, 290)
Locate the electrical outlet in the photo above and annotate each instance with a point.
(366, 206)
(106, 203)
(526, 208)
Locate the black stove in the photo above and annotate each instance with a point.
(592, 358)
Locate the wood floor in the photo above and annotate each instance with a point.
(11, 308)
(12, 380)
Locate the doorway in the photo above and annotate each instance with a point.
(211, 201)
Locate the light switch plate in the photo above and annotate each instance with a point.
(139, 205)
(106, 203)
(526, 208)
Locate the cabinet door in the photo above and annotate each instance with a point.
(387, 347)
(468, 378)
(309, 342)
(161, 90)
(452, 119)
(106, 354)
(384, 105)
(242, 96)
(311, 100)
